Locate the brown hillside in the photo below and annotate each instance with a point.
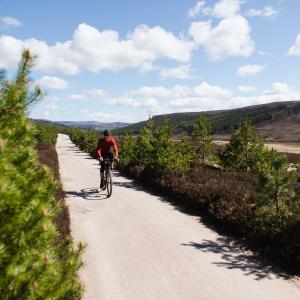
(283, 130)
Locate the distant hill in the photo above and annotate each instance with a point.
(226, 121)
(86, 124)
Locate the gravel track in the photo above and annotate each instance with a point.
(141, 247)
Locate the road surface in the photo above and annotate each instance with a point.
(140, 247)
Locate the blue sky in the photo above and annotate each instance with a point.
(126, 60)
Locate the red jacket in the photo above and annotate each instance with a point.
(105, 144)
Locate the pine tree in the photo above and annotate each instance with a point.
(164, 150)
(185, 154)
(144, 144)
(33, 265)
(276, 180)
(245, 151)
(201, 136)
(128, 149)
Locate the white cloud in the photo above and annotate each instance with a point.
(222, 9)
(162, 92)
(96, 93)
(250, 70)
(89, 94)
(147, 103)
(96, 50)
(267, 11)
(210, 91)
(214, 98)
(194, 11)
(247, 88)
(231, 37)
(182, 96)
(10, 22)
(204, 97)
(295, 49)
(146, 67)
(280, 91)
(52, 83)
(55, 58)
(282, 88)
(227, 8)
(155, 42)
(180, 72)
(52, 106)
(77, 97)
(115, 117)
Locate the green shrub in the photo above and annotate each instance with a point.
(46, 133)
(245, 150)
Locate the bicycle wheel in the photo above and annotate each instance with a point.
(109, 182)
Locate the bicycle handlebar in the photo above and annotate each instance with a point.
(108, 159)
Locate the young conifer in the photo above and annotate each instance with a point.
(33, 265)
(202, 138)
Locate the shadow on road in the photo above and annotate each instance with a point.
(128, 185)
(234, 256)
(89, 194)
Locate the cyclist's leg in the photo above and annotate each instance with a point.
(102, 166)
(110, 156)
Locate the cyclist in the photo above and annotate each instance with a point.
(103, 150)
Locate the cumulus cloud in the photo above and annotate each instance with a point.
(247, 88)
(155, 42)
(250, 70)
(279, 91)
(180, 72)
(161, 92)
(231, 37)
(195, 10)
(295, 49)
(204, 96)
(96, 50)
(52, 83)
(267, 12)
(222, 9)
(214, 97)
(10, 22)
(159, 99)
(89, 94)
(127, 101)
(50, 58)
(226, 8)
(115, 117)
(77, 97)
(180, 97)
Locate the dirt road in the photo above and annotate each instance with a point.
(140, 247)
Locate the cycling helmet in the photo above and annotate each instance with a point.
(105, 132)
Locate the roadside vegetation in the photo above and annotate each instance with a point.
(35, 261)
(245, 187)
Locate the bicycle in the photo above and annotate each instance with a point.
(107, 178)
